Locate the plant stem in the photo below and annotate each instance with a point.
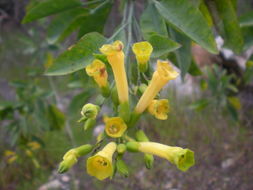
(57, 101)
(92, 11)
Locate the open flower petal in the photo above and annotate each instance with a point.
(114, 126)
(142, 51)
(159, 108)
(100, 165)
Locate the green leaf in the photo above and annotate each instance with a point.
(78, 56)
(204, 10)
(79, 100)
(248, 37)
(71, 28)
(61, 23)
(199, 105)
(55, 117)
(49, 7)
(99, 17)
(183, 15)
(151, 22)
(162, 45)
(232, 32)
(194, 69)
(246, 19)
(183, 55)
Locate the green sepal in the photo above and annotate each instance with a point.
(124, 111)
(134, 118)
(122, 167)
(141, 136)
(84, 149)
(66, 164)
(101, 57)
(83, 119)
(89, 124)
(121, 148)
(132, 146)
(149, 160)
(105, 91)
(115, 98)
(143, 67)
(142, 88)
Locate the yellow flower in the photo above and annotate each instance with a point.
(9, 153)
(10, 156)
(159, 108)
(235, 102)
(114, 126)
(182, 158)
(115, 57)
(164, 73)
(34, 145)
(97, 70)
(100, 165)
(142, 51)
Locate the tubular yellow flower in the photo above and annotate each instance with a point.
(164, 73)
(100, 165)
(10, 156)
(114, 126)
(159, 108)
(115, 57)
(97, 70)
(34, 145)
(182, 158)
(142, 51)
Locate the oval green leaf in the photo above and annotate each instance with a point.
(183, 15)
(78, 56)
(49, 7)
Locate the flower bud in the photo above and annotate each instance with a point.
(122, 167)
(121, 148)
(70, 157)
(66, 164)
(149, 160)
(90, 111)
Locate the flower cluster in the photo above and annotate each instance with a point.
(109, 160)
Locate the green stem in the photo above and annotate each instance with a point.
(129, 30)
(117, 32)
(92, 11)
(91, 2)
(57, 101)
(128, 138)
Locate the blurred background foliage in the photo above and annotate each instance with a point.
(211, 106)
